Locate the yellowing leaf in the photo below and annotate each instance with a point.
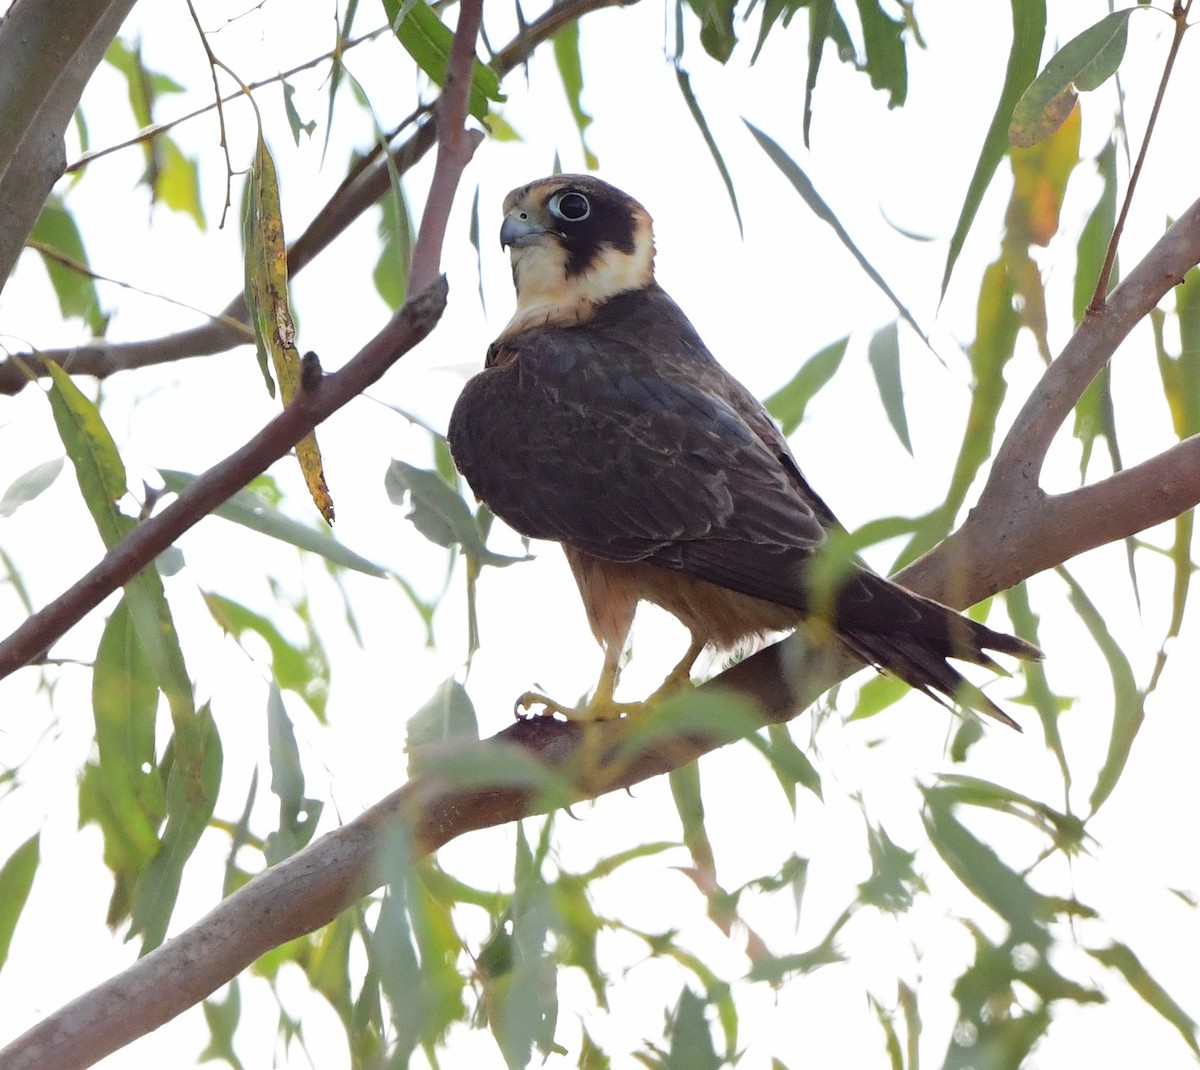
(1040, 176)
(1082, 64)
(267, 300)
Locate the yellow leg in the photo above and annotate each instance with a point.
(603, 706)
(681, 675)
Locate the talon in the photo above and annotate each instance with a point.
(600, 708)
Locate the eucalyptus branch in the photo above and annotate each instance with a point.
(456, 146)
(311, 888)
(213, 64)
(152, 536)
(71, 264)
(1021, 456)
(149, 133)
(363, 189)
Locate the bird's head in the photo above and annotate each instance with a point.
(575, 242)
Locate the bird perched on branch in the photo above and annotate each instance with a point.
(602, 422)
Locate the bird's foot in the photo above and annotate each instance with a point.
(600, 708)
(679, 681)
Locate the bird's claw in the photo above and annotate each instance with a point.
(598, 709)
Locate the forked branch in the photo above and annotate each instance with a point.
(312, 887)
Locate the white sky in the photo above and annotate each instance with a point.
(763, 305)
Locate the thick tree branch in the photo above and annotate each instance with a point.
(362, 188)
(1019, 460)
(1016, 524)
(48, 52)
(311, 888)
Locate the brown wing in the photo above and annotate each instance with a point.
(623, 438)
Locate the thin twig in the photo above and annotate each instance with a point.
(72, 264)
(1179, 14)
(149, 133)
(151, 537)
(213, 64)
(363, 187)
(312, 887)
(311, 406)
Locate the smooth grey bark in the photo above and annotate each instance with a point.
(48, 51)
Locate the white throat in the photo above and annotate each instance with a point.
(548, 296)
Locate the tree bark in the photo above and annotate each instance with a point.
(48, 51)
(537, 764)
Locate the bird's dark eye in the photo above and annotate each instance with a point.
(570, 206)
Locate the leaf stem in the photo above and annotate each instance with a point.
(1179, 13)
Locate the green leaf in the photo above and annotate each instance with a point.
(303, 669)
(298, 815)
(498, 765)
(438, 512)
(884, 356)
(883, 39)
(717, 33)
(876, 695)
(570, 69)
(76, 292)
(521, 999)
(1065, 829)
(1181, 375)
(29, 485)
(890, 1036)
(1128, 702)
(713, 714)
(336, 70)
(789, 763)
(101, 476)
(685, 87)
(395, 251)
(158, 888)
(800, 182)
(293, 116)
(427, 39)
(689, 804)
(691, 1037)
(775, 969)
(985, 875)
(1029, 30)
(1037, 688)
(996, 327)
(789, 403)
(250, 509)
(448, 714)
(1083, 63)
(172, 177)
(125, 707)
(177, 182)
(771, 12)
(824, 24)
(144, 85)
(222, 1019)
(1121, 958)
(893, 883)
(98, 465)
(16, 879)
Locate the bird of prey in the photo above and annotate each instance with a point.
(600, 421)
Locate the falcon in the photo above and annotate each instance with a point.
(601, 421)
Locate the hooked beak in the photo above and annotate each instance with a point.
(519, 230)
